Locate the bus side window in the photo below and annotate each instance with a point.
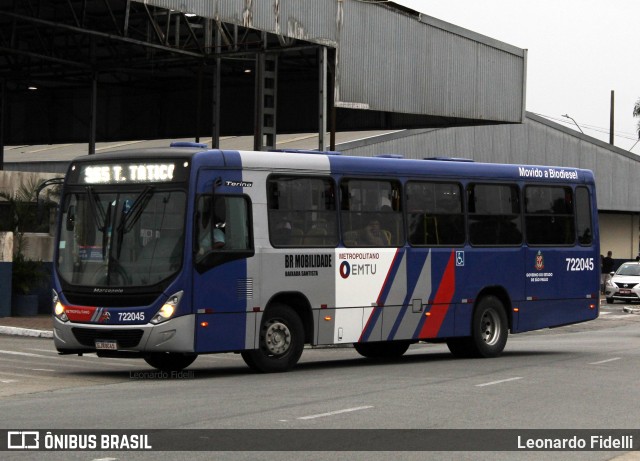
(302, 211)
(494, 214)
(371, 213)
(549, 215)
(222, 232)
(203, 225)
(583, 216)
(435, 213)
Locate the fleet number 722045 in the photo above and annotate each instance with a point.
(580, 264)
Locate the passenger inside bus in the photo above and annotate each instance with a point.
(218, 238)
(212, 231)
(374, 235)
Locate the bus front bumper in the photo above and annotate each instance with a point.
(174, 335)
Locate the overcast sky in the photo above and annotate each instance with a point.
(578, 51)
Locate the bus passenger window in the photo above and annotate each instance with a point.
(434, 211)
(371, 213)
(549, 215)
(583, 216)
(494, 214)
(302, 212)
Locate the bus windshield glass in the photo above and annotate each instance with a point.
(131, 238)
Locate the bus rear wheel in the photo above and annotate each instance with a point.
(281, 341)
(382, 350)
(170, 361)
(489, 331)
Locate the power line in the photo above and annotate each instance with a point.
(599, 129)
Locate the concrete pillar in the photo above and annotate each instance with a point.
(6, 267)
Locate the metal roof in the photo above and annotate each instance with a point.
(56, 157)
(146, 69)
(390, 58)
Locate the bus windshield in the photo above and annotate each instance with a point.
(131, 238)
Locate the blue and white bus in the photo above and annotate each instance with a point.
(165, 254)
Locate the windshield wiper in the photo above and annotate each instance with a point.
(131, 216)
(96, 209)
(101, 218)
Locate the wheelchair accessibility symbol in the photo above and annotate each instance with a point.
(459, 258)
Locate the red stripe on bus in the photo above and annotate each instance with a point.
(441, 302)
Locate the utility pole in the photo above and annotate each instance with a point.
(611, 119)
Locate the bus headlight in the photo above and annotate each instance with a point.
(58, 308)
(168, 309)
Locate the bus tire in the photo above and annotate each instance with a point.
(170, 361)
(281, 341)
(382, 350)
(489, 331)
(489, 328)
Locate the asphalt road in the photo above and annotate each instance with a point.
(577, 377)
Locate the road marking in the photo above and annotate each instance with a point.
(76, 361)
(337, 412)
(25, 354)
(499, 382)
(8, 381)
(605, 361)
(21, 375)
(49, 351)
(40, 369)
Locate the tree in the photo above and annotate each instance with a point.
(26, 273)
(636, 113)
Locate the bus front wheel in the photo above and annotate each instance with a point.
(281, 341)
(169, 361)
(489, 331)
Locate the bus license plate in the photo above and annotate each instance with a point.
(108, 345)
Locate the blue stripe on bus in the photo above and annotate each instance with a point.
(388, 167)
(382, 297)
(418, 260)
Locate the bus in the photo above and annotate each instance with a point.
(165, 254)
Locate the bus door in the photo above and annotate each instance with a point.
(222, 242)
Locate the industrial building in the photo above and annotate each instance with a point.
(362, 77)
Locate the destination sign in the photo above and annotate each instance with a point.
(127, 173)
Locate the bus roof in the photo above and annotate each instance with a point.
(382, 166)
(330, 162)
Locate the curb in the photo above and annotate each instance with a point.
(15, 331)
(631, 310)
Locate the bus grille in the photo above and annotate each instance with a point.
(125, 338)
(625, 285)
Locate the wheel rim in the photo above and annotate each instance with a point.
(277, 338)
(490, 327)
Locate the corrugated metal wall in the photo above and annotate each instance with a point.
(399, 63)
(389, 60)
(536, 142)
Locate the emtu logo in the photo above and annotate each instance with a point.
(345, 269)
(23, 440)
